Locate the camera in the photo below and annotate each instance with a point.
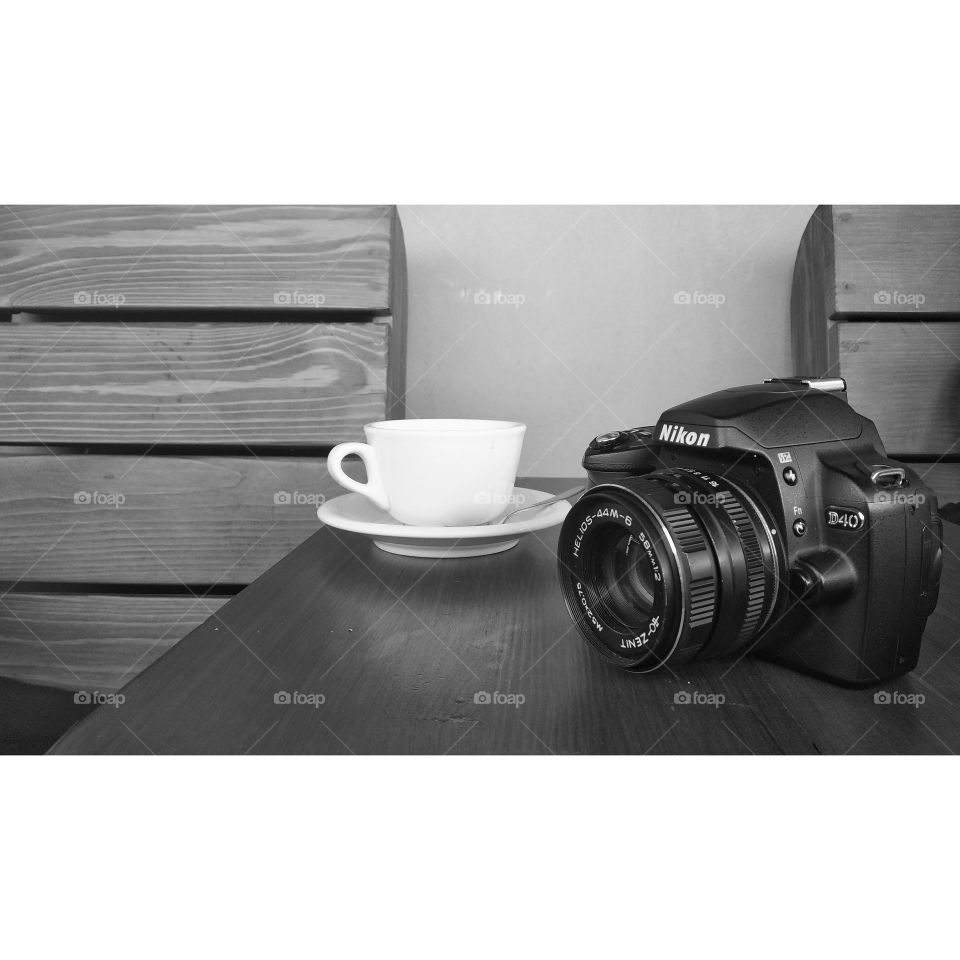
(765, 519)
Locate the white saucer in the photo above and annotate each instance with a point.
(354, 512)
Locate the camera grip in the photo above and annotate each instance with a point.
(373, 489)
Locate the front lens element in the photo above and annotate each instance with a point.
(623, 574)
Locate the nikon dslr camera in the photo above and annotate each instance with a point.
(764, 519)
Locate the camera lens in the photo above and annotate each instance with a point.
(672, 565)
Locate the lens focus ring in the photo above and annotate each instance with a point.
(703, 588)
(756, 576)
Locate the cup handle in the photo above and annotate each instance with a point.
(373, 489)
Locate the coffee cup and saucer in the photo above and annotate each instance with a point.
(438, 488)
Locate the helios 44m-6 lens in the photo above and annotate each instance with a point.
(668, 566)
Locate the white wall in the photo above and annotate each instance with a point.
(587, 335)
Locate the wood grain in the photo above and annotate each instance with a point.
(172, 326)
(92, 642)
(942, 478)
(195, 256)
(812, 298)
(398, 649)
(214, 383)
(876, 297)
(885, 255)
(397, 361)
(906, 378)
(878, 261)
(154, 519)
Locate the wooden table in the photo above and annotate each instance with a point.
(383, 654)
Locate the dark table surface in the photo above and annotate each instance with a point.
(385, 654)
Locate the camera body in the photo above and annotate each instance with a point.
(766, 519)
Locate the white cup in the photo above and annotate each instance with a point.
(436, 473)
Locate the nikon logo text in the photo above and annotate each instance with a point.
(674, 433)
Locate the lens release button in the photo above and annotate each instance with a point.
(800, 527)
(790, 476)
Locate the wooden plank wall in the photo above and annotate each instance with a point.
(207, 383)
(149, 257)
(876, 300)
(175, 520)
(906, 377)
(169, 381)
